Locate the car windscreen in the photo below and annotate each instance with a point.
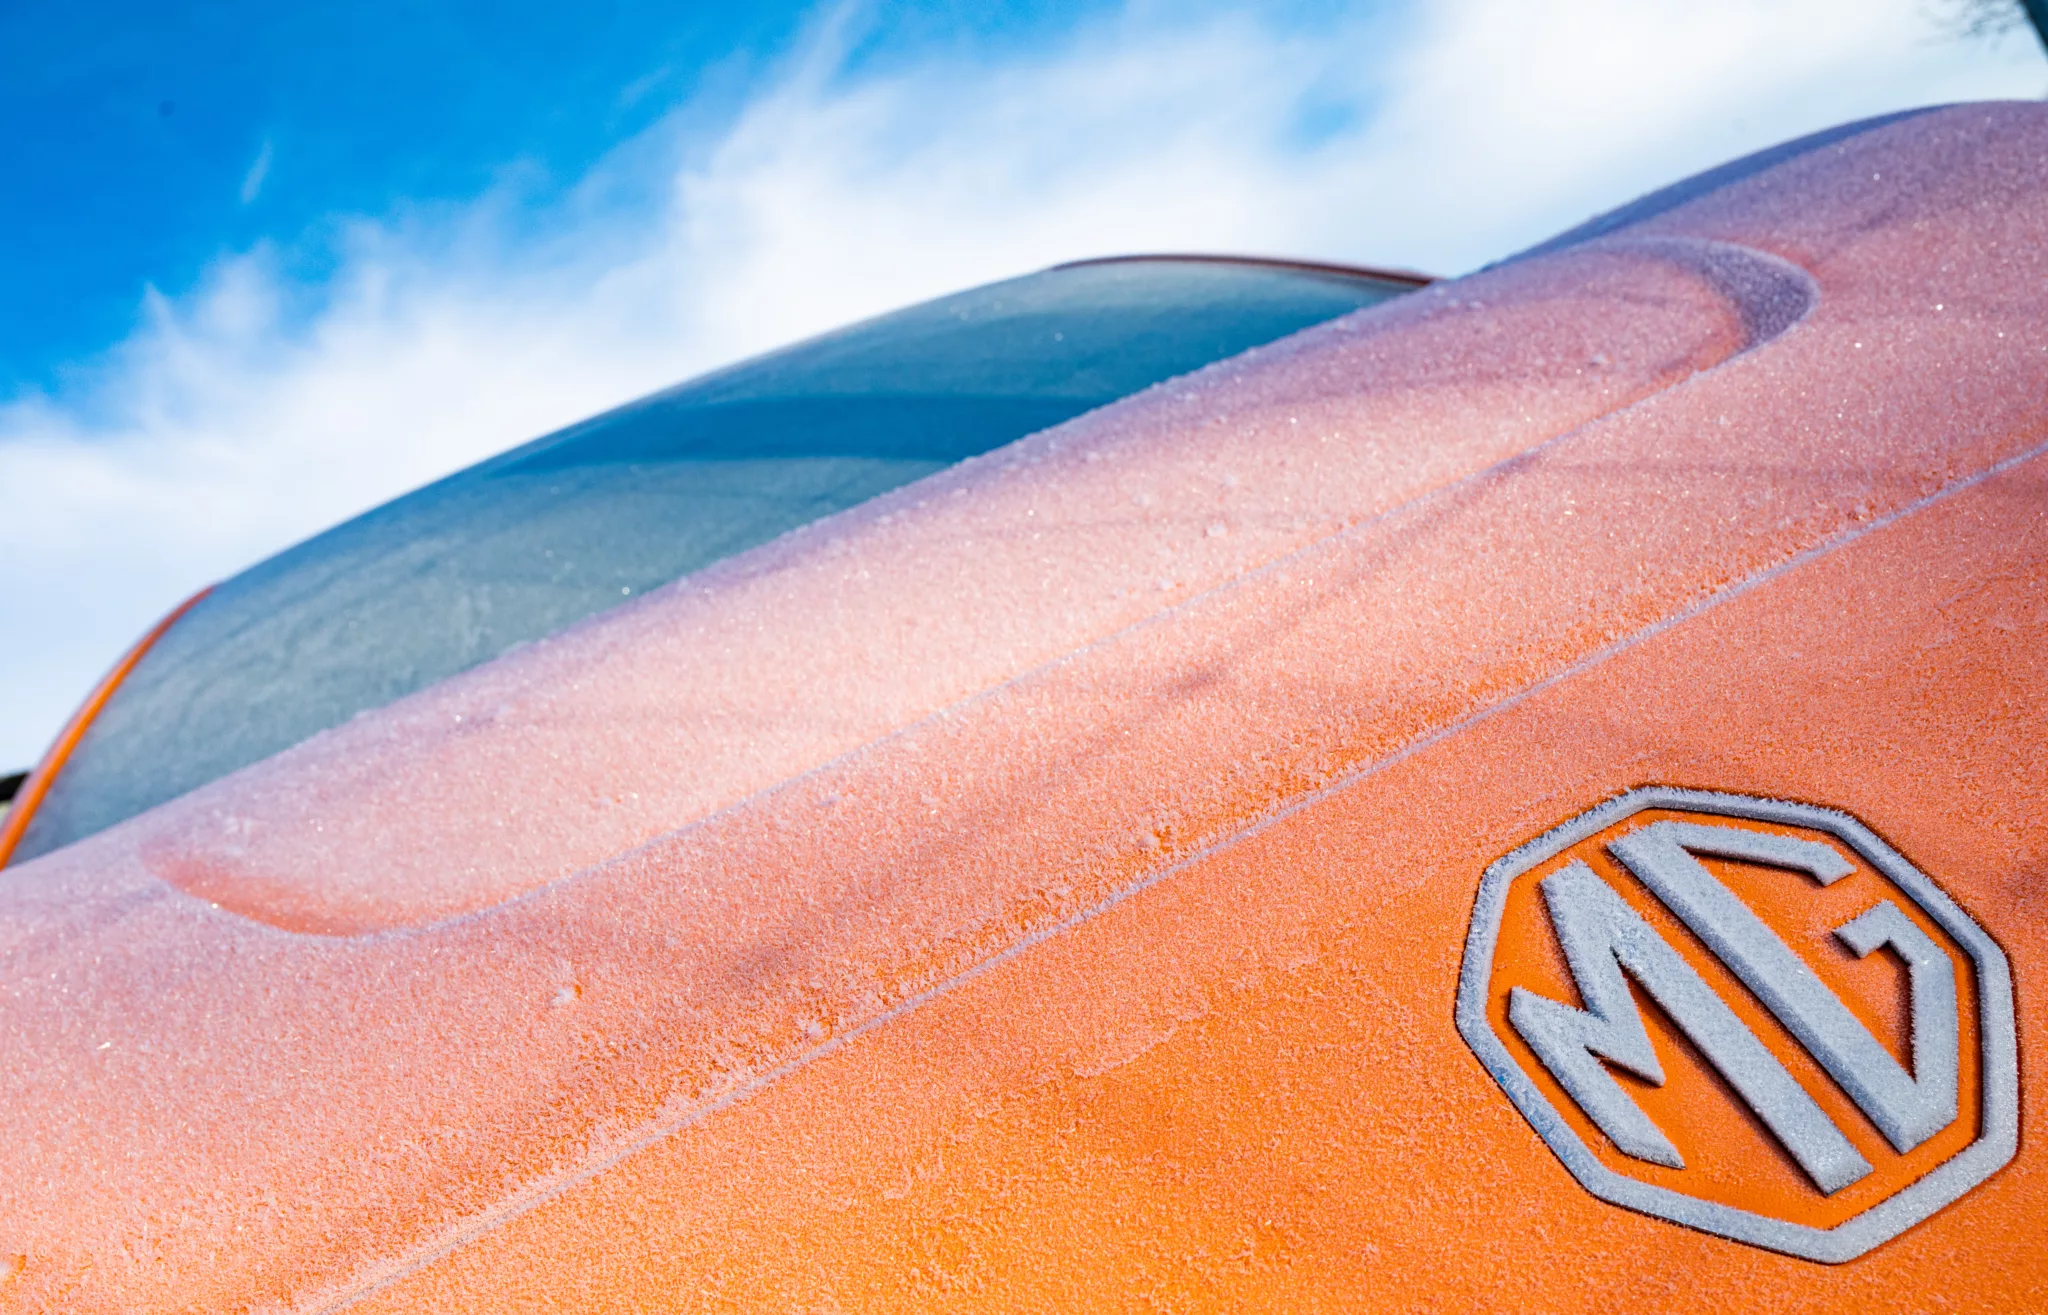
(510, 550)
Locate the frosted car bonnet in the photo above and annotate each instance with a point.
(374, 1018)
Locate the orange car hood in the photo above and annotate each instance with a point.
(1046, 886)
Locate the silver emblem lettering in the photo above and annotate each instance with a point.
(1906, 1110)
(1768, 998)
(1601, 935)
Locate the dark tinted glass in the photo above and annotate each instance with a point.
(521, 545)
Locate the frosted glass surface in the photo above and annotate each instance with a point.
(519, 546)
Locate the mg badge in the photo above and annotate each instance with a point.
(1749, 1017)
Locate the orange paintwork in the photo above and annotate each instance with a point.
(16, 820)
(1044, 888)
(1730, 1156)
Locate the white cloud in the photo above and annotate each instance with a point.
(252, 182)
(231, 424)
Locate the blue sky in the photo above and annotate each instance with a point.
(267, 265)
(167, 134)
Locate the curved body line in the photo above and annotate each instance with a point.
(529, 1198)
(1659, 248)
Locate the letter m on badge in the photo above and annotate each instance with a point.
(1750, 1017)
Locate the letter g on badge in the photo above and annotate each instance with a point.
(1750, 1017)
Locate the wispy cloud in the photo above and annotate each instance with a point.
(252, 182)
(259, 408)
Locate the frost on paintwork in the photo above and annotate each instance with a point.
(790, 816)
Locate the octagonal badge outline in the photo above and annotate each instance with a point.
(1995, 1146)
